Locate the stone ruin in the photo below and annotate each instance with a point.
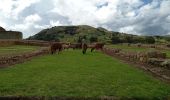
(155, 58)
(10, 34)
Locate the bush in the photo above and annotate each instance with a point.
(150, 40)
(115, 39)
(93, 39)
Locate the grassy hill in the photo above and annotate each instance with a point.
(73, 34)
(76, 33)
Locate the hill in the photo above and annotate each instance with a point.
(73, 34)
(76, 33)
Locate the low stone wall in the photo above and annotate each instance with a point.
(6, 42)
(32, 43)
(156, 46)
(11, 35)
(154, 58)
(10, 60)
(24, 42)
(131, 56)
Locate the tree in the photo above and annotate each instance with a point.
(115, 39)
(150, 39)
(129, 39)
(93, 39)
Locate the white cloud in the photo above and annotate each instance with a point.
(12, 8)
(53, 23)
(41, 26)
(129, 29)
(33, 18)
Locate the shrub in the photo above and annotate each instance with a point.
(93, 39)
(150, 40)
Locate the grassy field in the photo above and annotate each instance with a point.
(16, 49)
(73, 74)
(132, 48)
(129, 48)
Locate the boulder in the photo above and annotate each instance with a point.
(166, 64)
(168, 45)
(156, 54)
(155, 61)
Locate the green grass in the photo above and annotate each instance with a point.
(167, 53)
(136, 49)
(73, 74)
(16, 49)
(130, 48)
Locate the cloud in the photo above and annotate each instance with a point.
(12, 8)
(32, 18)
(145, 17)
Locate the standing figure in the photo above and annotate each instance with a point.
(84, 46)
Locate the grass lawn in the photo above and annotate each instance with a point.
(130, 48)
(73, 74)
(16, 49)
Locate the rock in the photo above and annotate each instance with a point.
(166, 64)
(156, 54)
(168, 45)
(155, 61)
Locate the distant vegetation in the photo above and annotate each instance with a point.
(76, 33)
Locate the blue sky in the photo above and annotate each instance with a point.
(147, 1)
(142, 17)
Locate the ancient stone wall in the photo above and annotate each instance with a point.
(4, 42)
(10, 35)
(154, 58)
(10, 60)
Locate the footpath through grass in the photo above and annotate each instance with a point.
(73, 74)
(16, 49)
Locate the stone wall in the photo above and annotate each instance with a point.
(155, 58)
(10, 35)
(10, 60)
(32, 42)
(4, 42)
(7, 42)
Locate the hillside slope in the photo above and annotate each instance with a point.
(76, 33)
(73, 34)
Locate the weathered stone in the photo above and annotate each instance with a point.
(155, 61)
(168, 45)
(156, 54)
(166, 64)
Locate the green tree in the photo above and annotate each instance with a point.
(150, 39)
(93, 39)
(115, 39)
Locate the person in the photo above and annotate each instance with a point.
(84, 46)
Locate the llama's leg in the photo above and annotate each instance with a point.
(84, 51)
(92, 49)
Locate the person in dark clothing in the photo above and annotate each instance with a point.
(84, 46)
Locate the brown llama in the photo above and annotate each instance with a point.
(97, 46)
(56, 47)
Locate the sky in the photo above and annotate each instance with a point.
(141, 17)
